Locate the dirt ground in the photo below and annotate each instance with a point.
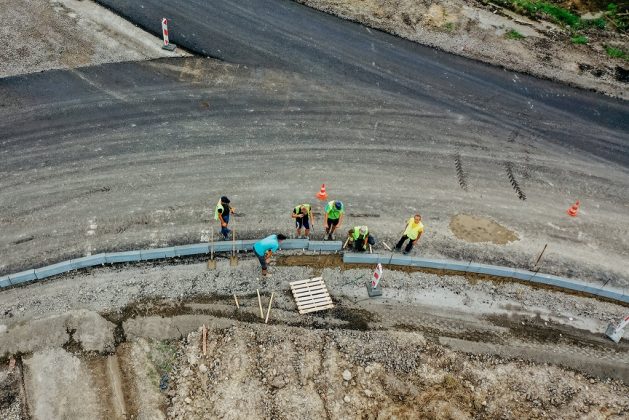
(480, 229)
(432, 347)
(477, 30)
(59, 34)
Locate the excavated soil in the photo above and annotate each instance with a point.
(480, 229)
(432, 347)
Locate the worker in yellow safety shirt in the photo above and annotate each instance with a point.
(413, 231)
(303, 218)
(359, 238)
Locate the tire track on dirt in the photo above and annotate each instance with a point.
(460, 173)
(514, 182)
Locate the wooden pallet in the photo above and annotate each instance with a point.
(311, 295)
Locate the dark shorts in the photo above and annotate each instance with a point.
(262, 260)
(302, 222)
(333, 222)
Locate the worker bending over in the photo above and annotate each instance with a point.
(359, 238)
(265, 248)
(334, 213)
(413, 231)
(221, 213)
(303, 218)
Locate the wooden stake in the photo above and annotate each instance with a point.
(386, 246)
(204, 340)
(345, 244)
(268, 311)
(260, 303)
(370, 250)
(212, 246)
(237, 305)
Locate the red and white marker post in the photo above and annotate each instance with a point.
(616, 331)
(373, 288)
(167, 45)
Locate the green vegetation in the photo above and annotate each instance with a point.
(513, 34)
(580, 39)
(448, 26)
(618, 18)
(615, 52)
(163, 355)
(536, 9)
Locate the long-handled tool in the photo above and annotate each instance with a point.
(233, 260)
(211, 263)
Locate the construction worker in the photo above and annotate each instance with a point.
(359, 238)
(303, 218)
(413, 231)
(334, 212)
(221, 213)
(265, 248)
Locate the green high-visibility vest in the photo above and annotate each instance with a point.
(356, 233)
(298, 208)
(332, 212)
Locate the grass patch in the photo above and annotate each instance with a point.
(619, 17)
(615, 52)
(513, 34)
(448, 26)
(163, 356)
(541, 9)
(579, 39)
(536, 8)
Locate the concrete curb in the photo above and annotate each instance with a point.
(492, 270)
(149, 255)
(328, 246)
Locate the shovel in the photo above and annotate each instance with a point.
(211, 263)
(233, 260)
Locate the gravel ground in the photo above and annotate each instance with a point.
(60, 34)
(385, 355)
(279, 372)
(110, 290)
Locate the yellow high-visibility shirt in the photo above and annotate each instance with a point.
(413, 229)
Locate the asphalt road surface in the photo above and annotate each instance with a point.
(134, 154)
(285, 35)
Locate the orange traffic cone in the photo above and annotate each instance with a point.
(322, 195)
(572, 211)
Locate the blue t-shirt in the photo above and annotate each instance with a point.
(270, 243)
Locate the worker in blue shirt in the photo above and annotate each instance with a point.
(265, 248)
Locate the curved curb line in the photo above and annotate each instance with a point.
(151, 254)
(492, 270)
(348, 258)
